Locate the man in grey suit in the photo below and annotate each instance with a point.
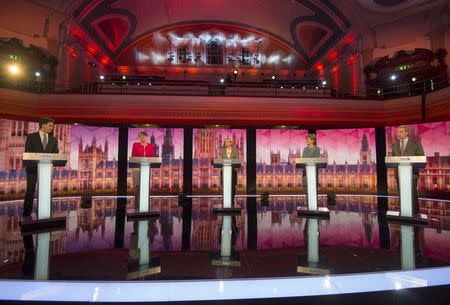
(229, 152)
(408, 147)
(38, 142)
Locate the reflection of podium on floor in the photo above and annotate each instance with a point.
(44, 163)
(144, 164)
(142, 264)
(310, 165)
(227, 166)
(405, 165)
(226, 256)
(37, 260)
(312, 262)
(408, 256)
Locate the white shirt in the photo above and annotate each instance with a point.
(404, 141)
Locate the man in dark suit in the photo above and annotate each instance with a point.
(408, 147)
(38, 142)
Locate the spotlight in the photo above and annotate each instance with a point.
(102, 77)
(138, 84)
(273, 76)
(324, 83)
(317, 88)
(292, 87)
(124, 77)
(393, 77)
(37, 74)
(414, 79)
(235, 71)
(222, 80)
(13, 69)
(281, 87)
(303, 87)
(149, 84)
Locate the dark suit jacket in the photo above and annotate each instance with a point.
(413, 148)
(34, 144)
(234, 153)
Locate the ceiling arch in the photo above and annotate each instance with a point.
(309, 27)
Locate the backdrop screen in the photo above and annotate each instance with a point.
(276, 150)
(168, 143)
(351, 160)
(206, 146)
(92, 164)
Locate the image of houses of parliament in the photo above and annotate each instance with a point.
(207, 145)
(283, 177)
(95, 172)
(169, 177)
(434, 178)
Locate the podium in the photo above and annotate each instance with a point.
(405, 165)
(311, 165)
(312, 262)
(227, 166)
(44, 163)
(144, 163)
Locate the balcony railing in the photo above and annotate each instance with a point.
(305, 88)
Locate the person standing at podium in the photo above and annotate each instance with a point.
(38, 142)
(230, 152)
(141, 149)
(310, 151)
(408, 147)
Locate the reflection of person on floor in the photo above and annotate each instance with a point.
(229, 152)
(310, 151)
(140, 149)
(28, 260)
(408, 147)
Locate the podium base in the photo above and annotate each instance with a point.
(232, 211)
(320, 213)
(319, 268)
(142, 215)
(28, 227)
(234, 260)
(136, 271)
(395, 217)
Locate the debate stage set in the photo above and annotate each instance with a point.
(258, 152)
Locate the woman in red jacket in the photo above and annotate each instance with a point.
(141, 149)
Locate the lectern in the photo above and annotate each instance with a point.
(144, 163)
(227, 166)
(44, 163)
(405, 165)
(310, 165)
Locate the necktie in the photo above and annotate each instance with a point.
(402, 148)
(45, 141)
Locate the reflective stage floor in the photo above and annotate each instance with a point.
(191, 242)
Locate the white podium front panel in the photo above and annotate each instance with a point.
(227, 176)
(44, 163)
(45, 170)
(405, 165)
(311, 164)
(225, 244)
(145, 163)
